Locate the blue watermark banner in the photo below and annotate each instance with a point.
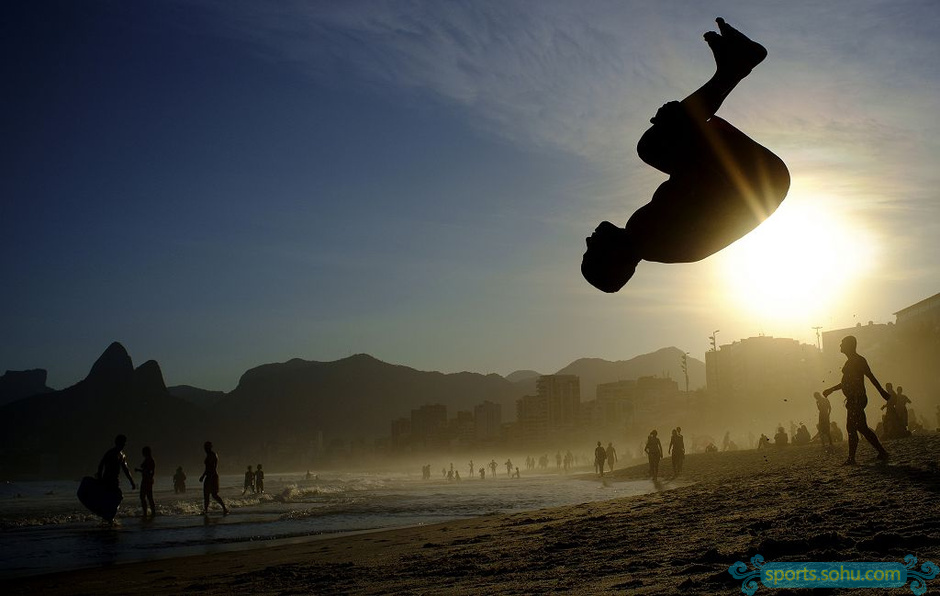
(876, 574)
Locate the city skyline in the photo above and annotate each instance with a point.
(219, 185)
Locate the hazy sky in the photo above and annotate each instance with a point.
(221, 184)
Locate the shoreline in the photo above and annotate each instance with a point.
(790, 504)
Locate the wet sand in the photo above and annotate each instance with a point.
(794, 504)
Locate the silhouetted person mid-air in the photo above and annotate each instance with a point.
(721, 183)
(148, 471)
(210, 480)
(853, 388)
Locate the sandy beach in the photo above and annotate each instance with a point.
(793, 504)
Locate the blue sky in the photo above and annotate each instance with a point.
(223, 184)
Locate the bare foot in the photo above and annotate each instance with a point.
(735, 54)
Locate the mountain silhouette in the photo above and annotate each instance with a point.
(356, 397)
(204, 398)
(17, 384)
(64, 433)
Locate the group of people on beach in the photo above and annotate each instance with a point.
(114, 462)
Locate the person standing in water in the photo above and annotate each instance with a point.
(853, 388)
(179, 481)
(210, 480)
(721, 184)
(600, 455)
(249, 481)
(147, 471)
(259, 480)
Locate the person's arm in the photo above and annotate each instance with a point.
(127, 473)
(101, 467)
(874, 381)
(671, 443)
(832, 389)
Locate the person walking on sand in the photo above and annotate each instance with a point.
(824, 407)
(654, 450)
(611, 457)
(853, 388)
(210, 480)
(147, 471)
(721, 184)
(600, 454)
(677, 449)
(493, 466)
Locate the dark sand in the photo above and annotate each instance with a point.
(794, 504)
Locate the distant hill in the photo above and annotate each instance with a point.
(203, 398)
(358, 396)
(522, 375)
(64, 433)
(17, 384)
(664, 362)
(274, 413)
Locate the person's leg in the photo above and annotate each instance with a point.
(873, 439)
(670, 142)
(205, 496)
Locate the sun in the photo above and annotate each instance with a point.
(796, 265)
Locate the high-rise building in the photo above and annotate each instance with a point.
(488, 421)
(758, 380)
(554, 408)
(427, 422)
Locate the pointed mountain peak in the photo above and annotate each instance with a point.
(114, 362)
(148, 379)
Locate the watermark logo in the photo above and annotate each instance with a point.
(877, 574)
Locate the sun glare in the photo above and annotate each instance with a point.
(797, 264)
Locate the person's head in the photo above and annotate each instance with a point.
(207, 446)
(120, 441)
(653, 433)
(900, 389)
(679, 430)
(817, 395)
(146, 451)
(249, 468)
(849, 345)
(675, 432)
(888, 387)
(259, 466)
(609, 262)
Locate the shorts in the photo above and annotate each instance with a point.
(211, 485)
(855, 418)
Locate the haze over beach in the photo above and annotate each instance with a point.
(343, 240)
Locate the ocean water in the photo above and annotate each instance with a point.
(45, 529)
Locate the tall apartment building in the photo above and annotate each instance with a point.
(554, 408)
(488, 421)
(764, 380)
